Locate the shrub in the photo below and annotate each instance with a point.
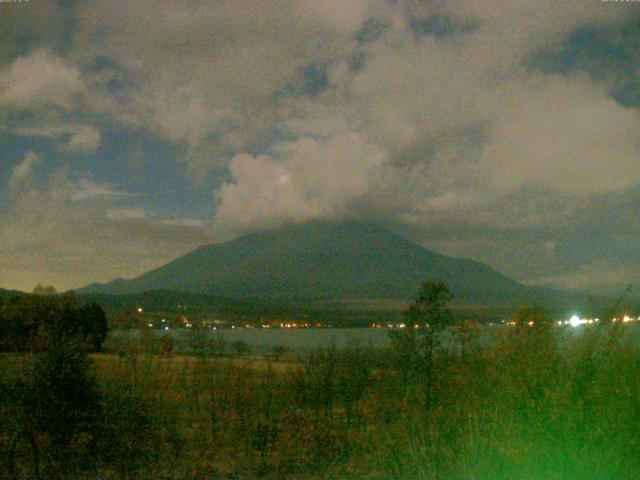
(166, 345)
(38, 323)
(240, 347)
(126, 439)
(56, 402)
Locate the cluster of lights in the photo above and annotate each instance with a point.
(575, 321)
(294, 325)
(393, 325)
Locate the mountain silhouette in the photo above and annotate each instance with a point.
(319, 261)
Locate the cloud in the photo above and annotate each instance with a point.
(41, 24)
(70, 243)
(40, 79)
(85, 189)
(607, 278)
(126, 213)
(303, 179)
(197, 223)
(82, 139)
(427, 116)
(567, 135)
(213, 76)
(22, 173)
(344, 17)
(85, 140)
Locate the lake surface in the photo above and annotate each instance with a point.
(264, 340)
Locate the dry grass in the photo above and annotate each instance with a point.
(536, 405)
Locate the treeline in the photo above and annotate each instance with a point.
(35, 323)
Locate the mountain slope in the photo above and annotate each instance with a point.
(319, 260)
(11, 293)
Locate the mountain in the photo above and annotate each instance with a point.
(7, 294)
(319, 261)
(164, 300)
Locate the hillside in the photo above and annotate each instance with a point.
(11, 293)
(319, 261)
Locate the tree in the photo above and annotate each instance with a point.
(166, 345)
(532, 316)
(36, 323)
(54, 405)
(414, 345)
(430, 309)
(94, 325)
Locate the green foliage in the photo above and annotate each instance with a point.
(430, 308)
(126, 431)
(279, 351)
(531, 316)
(524, 408)
(536, 402)
(240, 347)
(413, 346)
(54, 401)
(60, 397)
(203, 344)
(333, 377)
(93, 325)
(36, 323)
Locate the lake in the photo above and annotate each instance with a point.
(263, 340)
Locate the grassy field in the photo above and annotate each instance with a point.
(537, 405)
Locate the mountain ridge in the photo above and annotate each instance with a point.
(318, 260)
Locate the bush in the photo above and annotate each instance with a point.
(56, 403)
(240, 347)
(125, 443)
(166, 345)
(38, 323)
(203, 343)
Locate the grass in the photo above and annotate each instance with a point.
(537, 404)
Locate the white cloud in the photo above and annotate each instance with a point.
(564, 134)
(85, 189)
(184, 222)
(85, 140)
(22, 173)
(237, 54)
(606, 277)
(40, 79)
(304, 179)
(126, 213)
(79, 138)
(344, 17)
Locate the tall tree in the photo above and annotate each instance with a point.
(424, 318)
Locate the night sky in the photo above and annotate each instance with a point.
(504, 131)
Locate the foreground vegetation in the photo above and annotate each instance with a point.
(540, 402)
